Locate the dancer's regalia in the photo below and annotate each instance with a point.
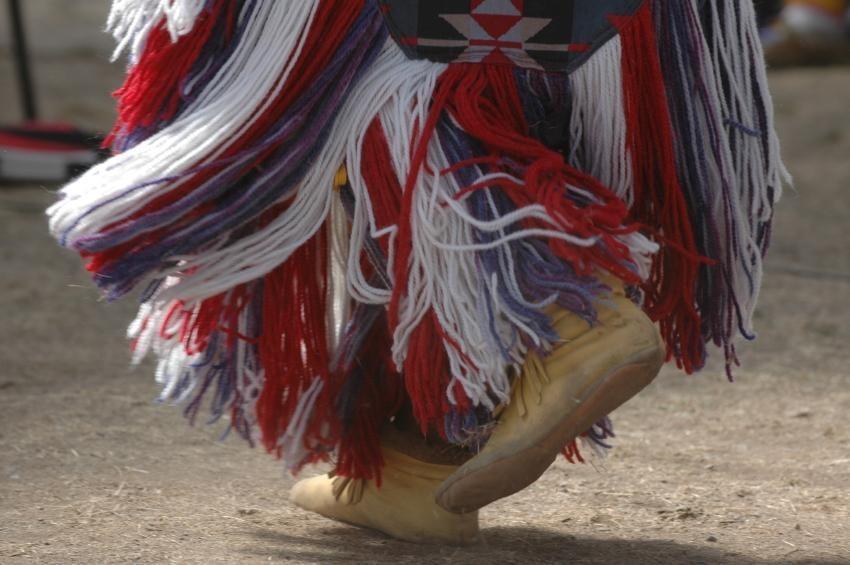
(337, 210)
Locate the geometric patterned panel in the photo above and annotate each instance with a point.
(555, 35)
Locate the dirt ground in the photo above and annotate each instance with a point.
(93, 471)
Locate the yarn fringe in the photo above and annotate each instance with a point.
(131, 22)
(727, 154)
(321, 226)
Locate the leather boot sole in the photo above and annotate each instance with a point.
(489, 477)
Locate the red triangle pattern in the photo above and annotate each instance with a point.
(496, 57)
(496, 25)
(519, 4)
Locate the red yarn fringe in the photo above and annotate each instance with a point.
(572, 453)
(152, 91)
(381, 181)
(426, 366)
(484, 101)
(293, 348)
(659, 198)
(427, 377)
(380, 397)
(487, 105)
(331, 23)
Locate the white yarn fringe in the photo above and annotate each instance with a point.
(132, 21)
(251, 79)
(400, 91)
(598, 128)
(258, 254)
(444, 276)
(599, 136)
(151, 337)
(292, 443)
(175, 367)
(736, 51)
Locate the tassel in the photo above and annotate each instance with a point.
(293, 352)
(169, 73)
(426, 376)
(131, 22)
(477, 196)
(595, 439)
(197, 209)
(750, 160)
(371, 393)
(436, 275)
(597, 128)
(572, 453)
(659, 200)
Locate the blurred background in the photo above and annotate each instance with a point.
(68, 51)
(704, 471)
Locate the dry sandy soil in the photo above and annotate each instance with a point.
(92, 471)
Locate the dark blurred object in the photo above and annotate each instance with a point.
(768, 10)
(36, 151)
(22, 60)
(806, 33)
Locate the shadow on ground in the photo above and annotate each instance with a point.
(526, 545)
